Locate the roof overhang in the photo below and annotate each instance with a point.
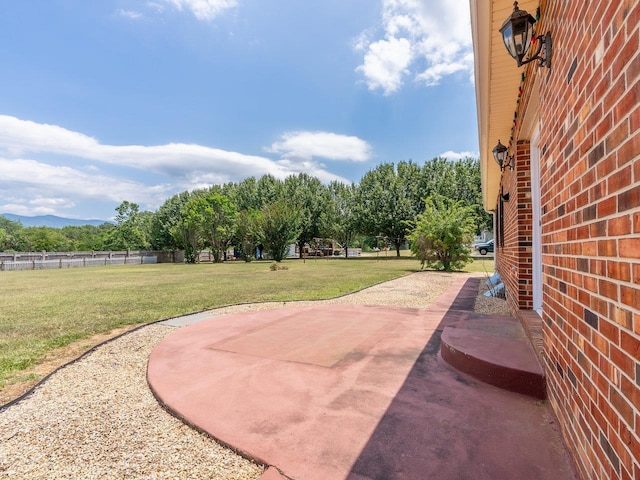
(497, 78)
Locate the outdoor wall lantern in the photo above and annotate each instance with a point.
(500, 154)
(518, 35)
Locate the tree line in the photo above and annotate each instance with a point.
(272, 214)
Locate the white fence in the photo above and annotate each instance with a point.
(42, 264)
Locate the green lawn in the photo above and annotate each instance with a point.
(46, 309)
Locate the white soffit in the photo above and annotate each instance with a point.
(497, 78)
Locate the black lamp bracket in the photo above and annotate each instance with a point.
(544, 42)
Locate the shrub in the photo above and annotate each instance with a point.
(275, 267)
(441, 233)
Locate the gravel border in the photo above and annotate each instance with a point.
(490, 305)
(96, 417)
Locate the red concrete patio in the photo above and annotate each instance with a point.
(358, 392)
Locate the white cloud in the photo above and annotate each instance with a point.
(49, 188)
(184, 166)
(177, 160)
(385, 63)
(451, 155)
(311, 168)
(129, 14)
(425, 41)
(36, 206)
(330, 146)
(203, 9)
(156, 6)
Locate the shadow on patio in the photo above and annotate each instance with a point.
(446, 424)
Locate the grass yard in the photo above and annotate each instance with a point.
(45, 310)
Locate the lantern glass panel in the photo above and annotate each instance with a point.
(522, 37)
(509, 40)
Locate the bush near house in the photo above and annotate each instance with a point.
(441, 233)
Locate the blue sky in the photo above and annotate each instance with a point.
(136, 100)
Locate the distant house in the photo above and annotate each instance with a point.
(566, 204)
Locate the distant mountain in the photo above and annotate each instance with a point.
(50, 221)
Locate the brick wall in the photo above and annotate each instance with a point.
(590, 200)
(515, 258)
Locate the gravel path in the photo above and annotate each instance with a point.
(97, 418)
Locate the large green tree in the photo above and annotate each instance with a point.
(458, 180)
(185, 229)
(165, 221)
(47, 239)
(268, 189)
(341, 214)
(245, 194)
(249, 233)
(311, 198)
(218, 222)
(12, 236)
(129, 232)
(280, 225)
(87, 237)
(386, 202)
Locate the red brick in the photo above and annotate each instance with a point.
(633, 69)
(629, 199)
(619, 271)
(610, 331)
(602, 386)
(621, 316)
(591, 284)
(602, 345)
(603, 127)
(607, 248)
(598, 229)
(634, 117)
(619, 180)
(617, 136)
(626, 475)
(629, 150)
(627, 437)
(619, 226)
(589, 249)
(630, 296)
(631, 391)
(630, 344)
(602, 88)
(626, 461)
(607, 207)
(633, 18)
(622, 361)
(607, 165)
(598, 267)
(582, 232)
(613, 96)
(627, 52)
(608, 289)
(622, 406)
(587, 180)
(629, 247)
(601, 306)
(628, 102)
(596, 115)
